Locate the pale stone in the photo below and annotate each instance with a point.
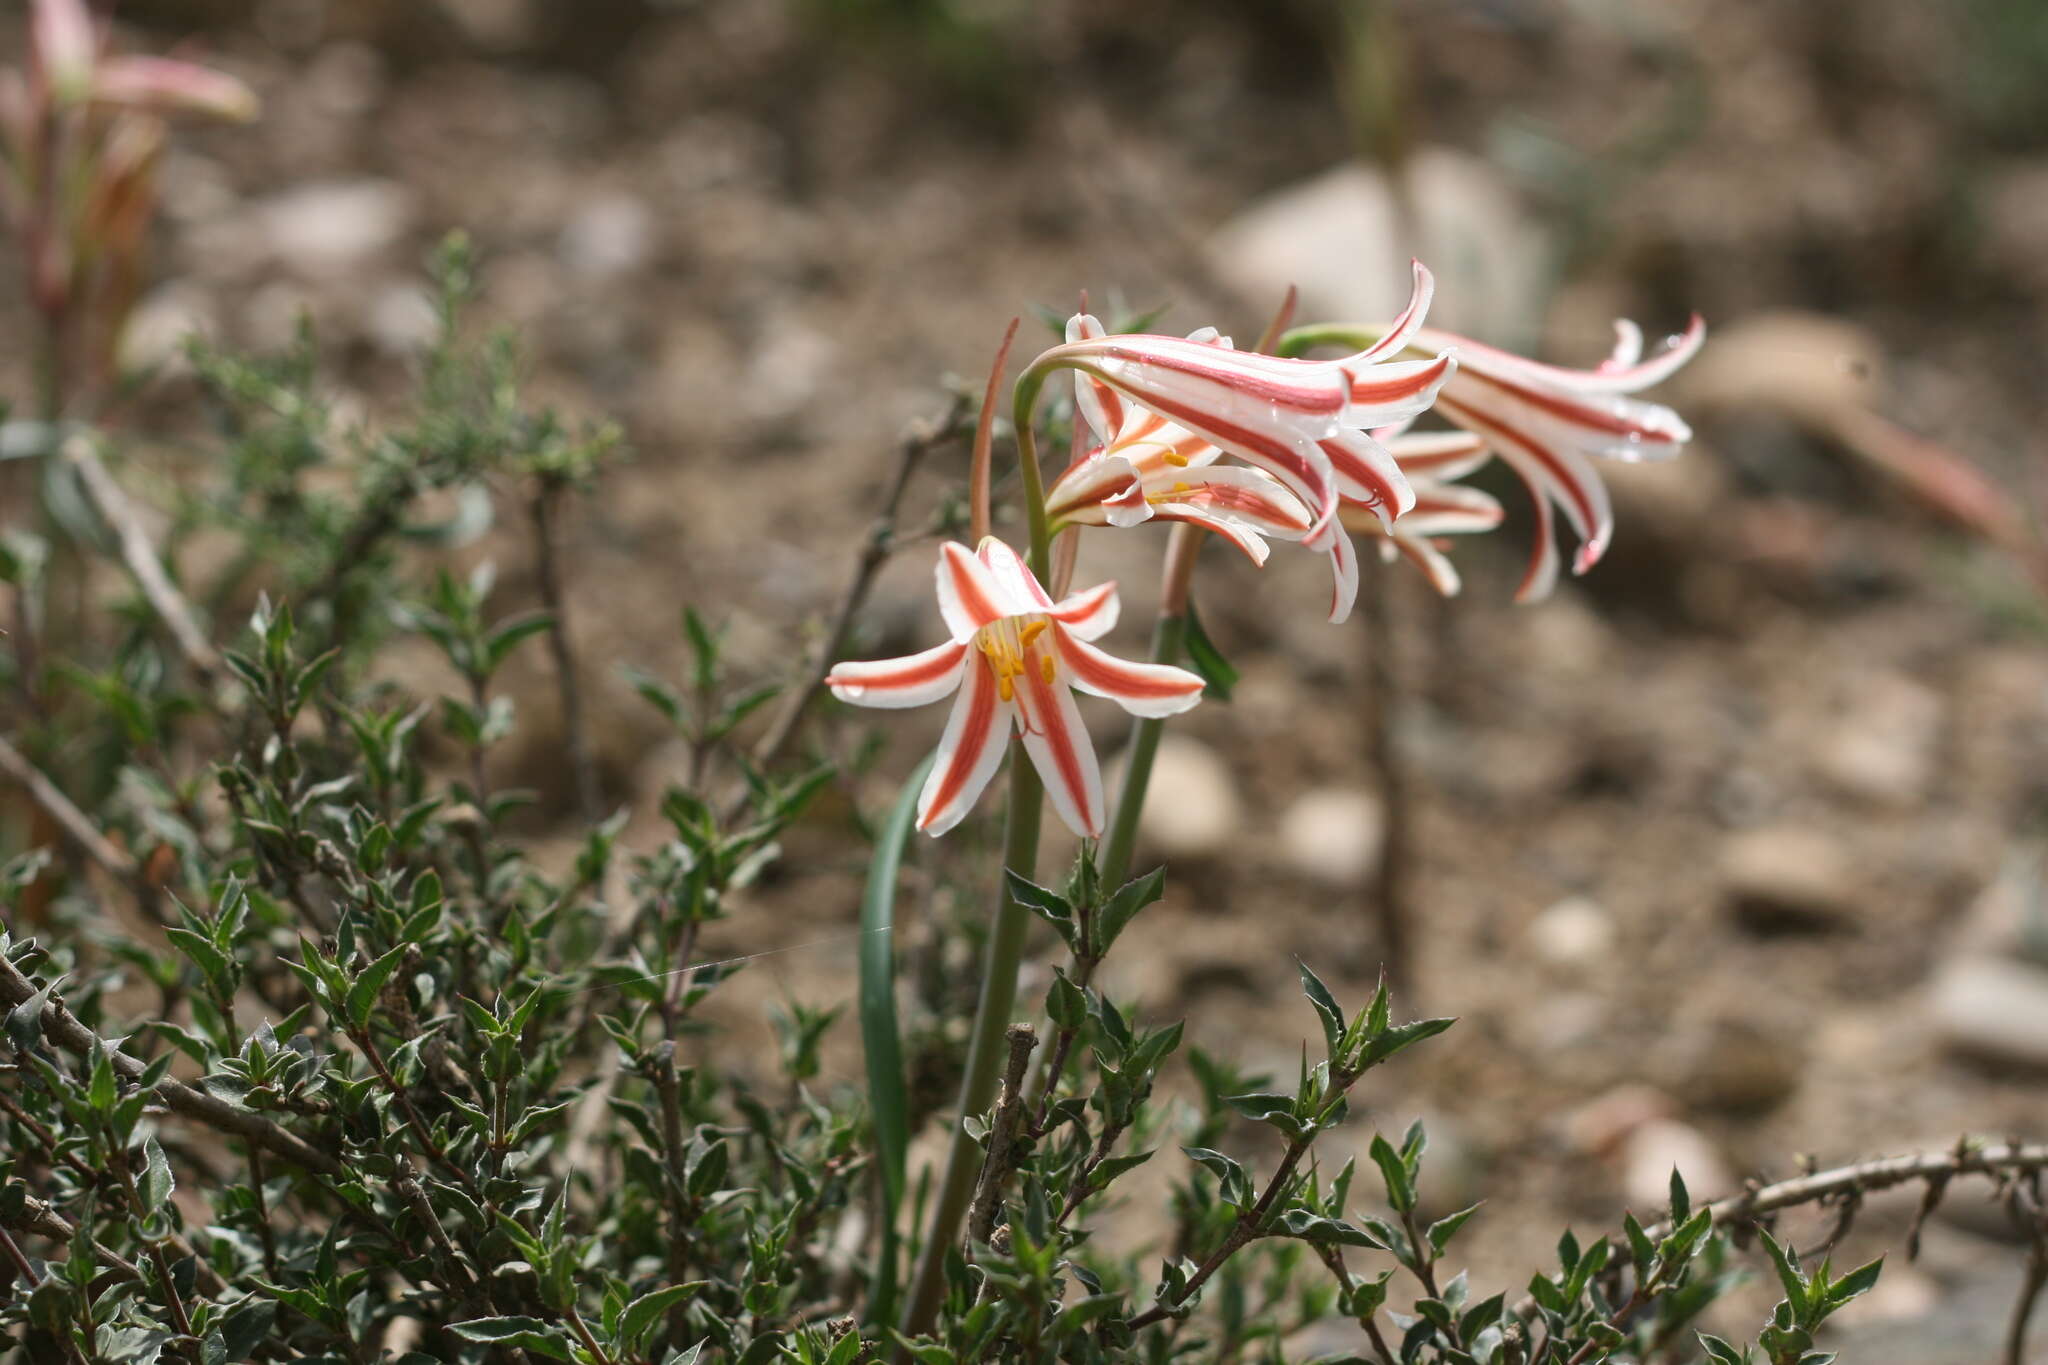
(1575, 932)
(1344, 240)
(1783, 878)
(1333, 835)
(333, 227)
(1993, 1008)
(1191, 808)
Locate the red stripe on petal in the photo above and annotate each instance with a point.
(976, 733)
(1057, 745)
(1368, 391)
(969, 583)
(1119, 679)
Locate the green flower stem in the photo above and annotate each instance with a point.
(1115, 862)
(1350, 335)
(986, 1046)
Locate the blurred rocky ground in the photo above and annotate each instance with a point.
(1725, 855)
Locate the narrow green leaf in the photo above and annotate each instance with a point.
(1205, 659)
(888, 1095)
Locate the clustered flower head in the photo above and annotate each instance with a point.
(1322, 449)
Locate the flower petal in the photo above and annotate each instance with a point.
(1436, 566)
(165, 85)
(1020, 593)
(1406, 325)
(912, 680)
(1251, 496)
(1141, 689)
(969, 597)
(1541, 576)
(1552, 472)
(1368, 474)
(1089, 483)
(1438, 455)
(969, 753)
(1343, 577)
(1058, 744)
(1380, 395)
(1090, 614)
(1099, 405)
(1248, 541)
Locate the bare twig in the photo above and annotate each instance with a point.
(62, 1027)
(546, 502)
(1992, 1159)
(139, 554)
(72, 821)
(875, 551)
(1002, 1136)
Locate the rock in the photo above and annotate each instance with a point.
(1993, 1009)
(1800, 365)
(2009, 918)
(334, 227)
(1191, 808)
(1338, 238)
(1738, 1066)
(610, 234)
(1599, 1126)
(1575, 932)
(1656, 1148)
(1786, 880)
(790, 362)
(1885, 747)
(402, 319)
(154, 339)
(1333, 835)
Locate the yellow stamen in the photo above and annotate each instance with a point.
(1183, 487)
(1175, 458)
(1031, 631)
(1006, 687)
(1045, 667)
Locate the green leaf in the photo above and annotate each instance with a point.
(1066, 1004)
(1048, 905)
(1681, 1201)
(1394, 1171)
(362, 996)
(507, 636)
(245, 1326)
(527, 1334)
(643, 1313)
(1858, 1281)
(1787, 1266)
(25, 1021)
(1441, 1231)
(1123, 907)
(888, 1094)
(156, 1183)
(1236, 1185)
(1325, 1005)
(1205, 659)
(1721, 1352)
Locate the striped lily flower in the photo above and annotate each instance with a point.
(1015, 659)
(1302, 422)
(1432, 461)
(1139, 467)
(1547, 423)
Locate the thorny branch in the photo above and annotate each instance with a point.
(1002, 1136)
(63, 1027)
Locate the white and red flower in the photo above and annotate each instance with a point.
(1164, 409)
(1015, 659)
(1547, 423)
(1432, 461)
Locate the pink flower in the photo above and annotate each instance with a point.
(1432, 460)
(1015, 658)
(1302, 423)
(1548, 422)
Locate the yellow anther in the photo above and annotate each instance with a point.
(1045, 668)
(1031, 631)
(1183, 487)
(1175, 458)
(1006, 688)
